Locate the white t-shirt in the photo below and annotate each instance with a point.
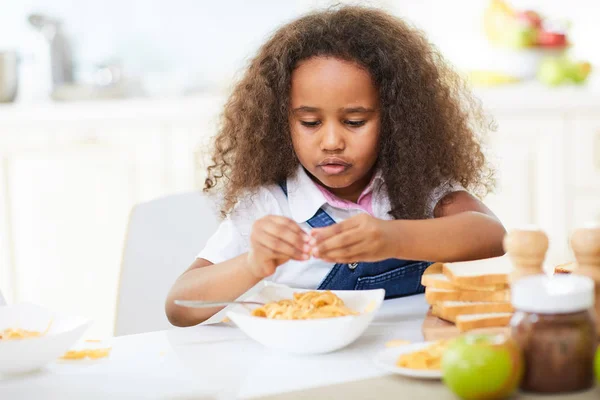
(304, 199)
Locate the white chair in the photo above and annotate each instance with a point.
(2, 301)
(163, 238)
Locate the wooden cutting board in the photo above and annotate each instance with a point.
(435, 328)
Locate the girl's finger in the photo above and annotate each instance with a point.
(281, 248)
(344, 253)
(288, 235)
(339, 242)
(291, 225)
(321, 234)
(343, 257)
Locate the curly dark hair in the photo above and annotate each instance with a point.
(429, 119)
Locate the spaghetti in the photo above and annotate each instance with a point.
(305, 305)
(18, 333)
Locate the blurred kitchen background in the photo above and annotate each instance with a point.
(104, 105)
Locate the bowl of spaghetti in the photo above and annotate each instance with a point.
(302, 321)
(32, 337)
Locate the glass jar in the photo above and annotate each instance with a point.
(554, 326)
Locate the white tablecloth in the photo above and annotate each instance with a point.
(214, 362)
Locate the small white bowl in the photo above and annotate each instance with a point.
(313, 336)
(26, 355)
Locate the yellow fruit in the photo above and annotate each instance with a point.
(490, 78)
(497, 17)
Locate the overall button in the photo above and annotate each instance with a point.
(353, 266)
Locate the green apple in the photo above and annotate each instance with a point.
(482, 366)
(598, 364)
(519, 37)
(553, 71)
(579, 71)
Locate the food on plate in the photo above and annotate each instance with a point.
(489, 271)
(482, 366)
(449, 310)
(397, 343)
(86, 353)
(474, 321)
(471, 294)
(305, 305)
(433, 277)
(17, 333)
(428, 358)
(434, 296)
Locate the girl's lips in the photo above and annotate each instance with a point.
(334, 169)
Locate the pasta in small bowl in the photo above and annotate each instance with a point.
(307, 321)
(32, 337)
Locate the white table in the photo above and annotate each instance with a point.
(215, 362)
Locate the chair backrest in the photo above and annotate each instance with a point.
(163, 238)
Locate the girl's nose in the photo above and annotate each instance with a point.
(332, 139)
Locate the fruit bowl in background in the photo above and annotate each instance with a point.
(522, 64)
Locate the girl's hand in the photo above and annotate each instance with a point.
(360, 238)
(275, 240)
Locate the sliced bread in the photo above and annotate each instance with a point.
(449, 310)
(434, 296)
(489, 271)
(433, 277)
(489, 320)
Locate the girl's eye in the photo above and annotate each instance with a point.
(355, 123)
(310, 124)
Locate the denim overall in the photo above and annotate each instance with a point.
(398, 277)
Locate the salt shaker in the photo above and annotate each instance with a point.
(527, 250)
(585, 243)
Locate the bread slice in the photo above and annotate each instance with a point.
(489, 320)
(490, 271)
(566, 268)
(434, 296)
(449, 310)
(433, 277)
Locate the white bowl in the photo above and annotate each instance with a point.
(311, 336)
(27, 355)
(520, 63)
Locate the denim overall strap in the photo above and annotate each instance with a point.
(319, 220)
(397, 277)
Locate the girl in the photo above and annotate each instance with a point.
(347, 150)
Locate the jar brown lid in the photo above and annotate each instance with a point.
(553, 294)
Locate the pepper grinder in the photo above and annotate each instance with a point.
(527, 250)
(585, 243)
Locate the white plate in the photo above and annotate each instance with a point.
(308, 336)
(386, 359)
(26, 355)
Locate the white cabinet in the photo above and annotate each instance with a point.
(68, 204)
(68, 214)
(528, 154)
(585, 151)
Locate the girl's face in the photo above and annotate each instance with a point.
(334, 122)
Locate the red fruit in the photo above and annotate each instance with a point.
(551, 39)
(531, 18)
